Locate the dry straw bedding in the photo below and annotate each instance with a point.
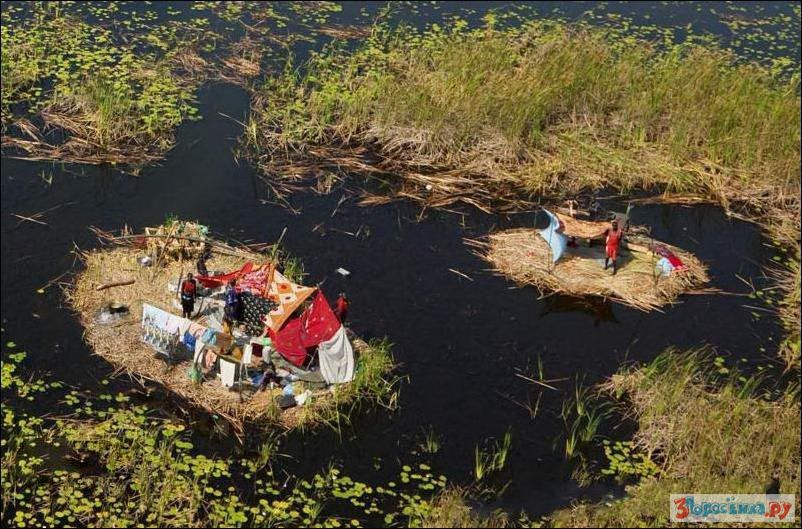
(121, 343)
(523, 256)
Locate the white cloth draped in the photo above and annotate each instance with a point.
(336, 358)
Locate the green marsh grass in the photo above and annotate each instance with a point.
(583, 414)
(543, 108)
(705, 430)
(492, 459)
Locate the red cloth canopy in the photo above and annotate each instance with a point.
(223, 279)
(317, 324)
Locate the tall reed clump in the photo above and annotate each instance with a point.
(493, 458)
(708, 431)
(788, 279)
(545, 107)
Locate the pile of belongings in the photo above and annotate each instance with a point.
(266, 282)
(668, 262)
(269, 301)
(176, 240)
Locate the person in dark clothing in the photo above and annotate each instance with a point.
(188, 292)
(202, 258)
(341, 308)
(231, 309)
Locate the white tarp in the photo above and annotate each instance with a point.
(336, 358)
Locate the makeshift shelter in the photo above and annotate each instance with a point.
(317, 324)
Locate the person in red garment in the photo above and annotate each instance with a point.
(614, 236)
(341, 308)
(188, 291)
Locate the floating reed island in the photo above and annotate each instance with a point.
(524, 256)
(132, 272)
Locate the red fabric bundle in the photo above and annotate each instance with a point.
(318, 321)
(288, 342)
(676, 262)
(317, 324)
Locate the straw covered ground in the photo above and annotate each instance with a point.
(121, 343)
(523, 256)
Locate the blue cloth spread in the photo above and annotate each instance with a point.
(557, 241)
(189, 341)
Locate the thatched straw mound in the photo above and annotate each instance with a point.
(523, 256)
(121, 343)
(584, 229)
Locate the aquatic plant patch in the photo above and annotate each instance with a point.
(112, 463)
(83, 92)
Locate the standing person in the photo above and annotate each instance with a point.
(614, 235)
(231, 309)
(341, 307)
(188, 291)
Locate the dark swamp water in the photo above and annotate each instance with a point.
(459, 342)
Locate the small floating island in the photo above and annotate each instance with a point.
(650, 273)
(266, 367)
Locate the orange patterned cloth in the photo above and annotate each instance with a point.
(289, 297)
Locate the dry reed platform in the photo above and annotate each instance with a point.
(121, 343)
(523, 256)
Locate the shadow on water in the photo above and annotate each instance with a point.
(460, 341)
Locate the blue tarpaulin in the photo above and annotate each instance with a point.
(557, 241)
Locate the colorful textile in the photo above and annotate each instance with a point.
(289, 342)
(209, 337)
(160, 329)
(255, 281)
(556, 240)
(189, 341)
(254, 310)
(222, 279)
(336, 358)
(664, 266)
(663, 251)
(676, 262)
(317, 324)
(289, 297)
(210, 359)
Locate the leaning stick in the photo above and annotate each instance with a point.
(115, 284)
